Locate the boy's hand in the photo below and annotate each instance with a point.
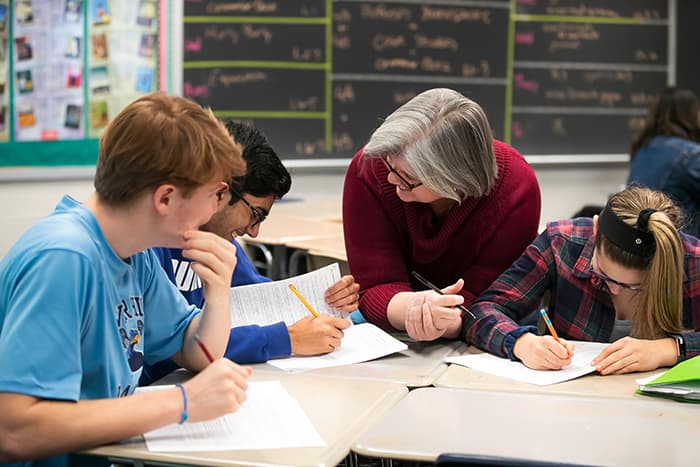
(314, 336)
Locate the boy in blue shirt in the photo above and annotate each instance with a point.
(244, 208)
(84, 302)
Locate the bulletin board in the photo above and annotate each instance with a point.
(66, 68)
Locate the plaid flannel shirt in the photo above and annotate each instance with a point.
(580, 305)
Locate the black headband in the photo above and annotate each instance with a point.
(636, 240)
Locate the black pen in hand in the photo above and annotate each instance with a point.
(432, 286)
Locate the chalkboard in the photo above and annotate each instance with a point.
(571, 77)
(585, 73)
(385, 54)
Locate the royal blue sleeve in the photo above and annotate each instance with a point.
(257, 344)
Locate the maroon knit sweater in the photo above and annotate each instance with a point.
(477, 240)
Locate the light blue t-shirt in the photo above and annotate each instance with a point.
(78, 322)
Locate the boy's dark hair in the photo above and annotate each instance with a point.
(265, 173)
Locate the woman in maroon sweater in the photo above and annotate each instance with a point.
(433, 192)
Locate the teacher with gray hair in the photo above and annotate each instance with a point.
(433, 192)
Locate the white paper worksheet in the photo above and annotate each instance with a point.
(272, 302)
(361, 343)
(269, 418)
(584, 353)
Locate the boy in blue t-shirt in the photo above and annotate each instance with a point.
(84, 303)
(246, 206)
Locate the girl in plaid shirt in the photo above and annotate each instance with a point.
(627, 276)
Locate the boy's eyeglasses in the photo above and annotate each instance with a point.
(258, 216)
(404, 184)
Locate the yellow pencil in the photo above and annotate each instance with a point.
(303, 300)
(543, 312)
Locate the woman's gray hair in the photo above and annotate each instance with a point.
(445, 138)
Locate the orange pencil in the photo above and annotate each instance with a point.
(303, 300)
(543, 312)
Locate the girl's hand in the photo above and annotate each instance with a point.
(629, 355)
(543, 352)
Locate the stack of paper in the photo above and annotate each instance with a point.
(269, 418)
(682, 382)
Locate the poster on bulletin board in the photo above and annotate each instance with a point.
(66, 68)
(47, 95)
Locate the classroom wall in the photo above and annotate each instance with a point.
(564, 191)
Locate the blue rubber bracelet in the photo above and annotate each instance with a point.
(183, 417)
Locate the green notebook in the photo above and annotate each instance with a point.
(682, 382)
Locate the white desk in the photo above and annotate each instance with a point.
(460, 377)
(420, 365)
(526, 426)
(340, 409)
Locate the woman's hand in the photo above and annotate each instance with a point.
(431, 315)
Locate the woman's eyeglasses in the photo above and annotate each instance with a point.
(258, 216)
(603, 277)
(404, 184)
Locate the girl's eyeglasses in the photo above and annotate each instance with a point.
(603, 277)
